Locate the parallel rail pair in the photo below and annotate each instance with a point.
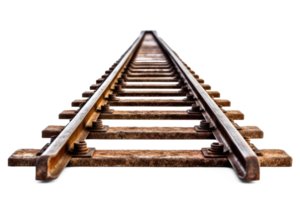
(150, 59)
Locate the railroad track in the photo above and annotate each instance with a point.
(150, 64)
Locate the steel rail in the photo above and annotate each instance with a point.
(240, 155)
(52, 162)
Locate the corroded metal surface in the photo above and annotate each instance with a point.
(241, 157)
(56, 157)
(149, 59)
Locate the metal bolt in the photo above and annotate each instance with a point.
(204, 124)
(216, 148)
(98, 124)
(81, 147)
(121, 81)
(195, 108)
(105, 108)
(181, 82)
(124, 76)
(184, 89)
(112, 97)
(189, 97)
(118, 88)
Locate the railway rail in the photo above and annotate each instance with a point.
(150, 59)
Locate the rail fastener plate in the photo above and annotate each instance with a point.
(190, 111)
(87, 155)
(210, 155)
(98, 129)
(201, 129)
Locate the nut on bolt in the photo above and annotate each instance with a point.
(189, 97)
(184, 89)
(80, 147)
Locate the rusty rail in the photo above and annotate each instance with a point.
(240, 155)
(242, 158)
(57, 156)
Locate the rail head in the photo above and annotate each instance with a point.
(52, 162)
(242, 158)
